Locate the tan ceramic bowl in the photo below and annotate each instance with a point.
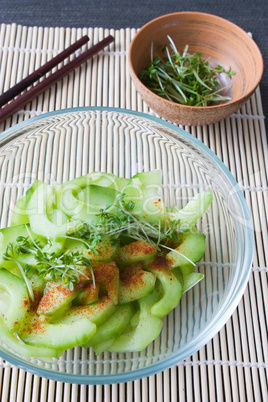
(220, 40)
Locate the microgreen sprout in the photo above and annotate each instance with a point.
(69, 267)
(184, 78)
(123, 222)
(11, 254)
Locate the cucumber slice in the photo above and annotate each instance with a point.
(36, 210)
(16, 309)
(147, 330)
(60, 335)
(107, 274)
(9, 235)
(105, 180)
(56, 299)
(105, 250)
(92, 199)
(114, 326)
(190, 250)
(20, 347)
(19, 216)
(38, 207)
(150, 178)
(192, 211)
(135, 252)
(31, 190)
(135, 283)
(97, 313)
(66, 197)
(57, 216)
(144, 190)
(119, 184)
(184, 270)
(103, 346)
(191, 280)
(88, 295)
(38, 285)
(170, 289)
(99, 178)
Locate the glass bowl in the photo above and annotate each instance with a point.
(61, 145)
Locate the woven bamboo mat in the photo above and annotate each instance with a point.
(233, 366)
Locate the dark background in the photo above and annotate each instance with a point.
(250, 15)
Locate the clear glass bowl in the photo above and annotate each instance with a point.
(61, 145)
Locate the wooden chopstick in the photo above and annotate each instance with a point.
(32, 93)
(26, 82)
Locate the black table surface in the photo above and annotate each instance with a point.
(250, 15)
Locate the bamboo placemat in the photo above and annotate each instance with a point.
(233, 365)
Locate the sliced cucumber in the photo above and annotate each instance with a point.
(190, 249)
(36, 210)
(135, 283)
(31, 190)
(96, 313)
(144, 190)
(19, 216)
(56, 299)
(134, 252)
(147, 330)
(92, 199)
(60, 335)
(107, 274)
(9, 235)
(191, 280)
(66, 197)
(170, 289)
(88, 295)
(187, 277)
(20, 347)
(57, 216)
(192, 211)
(103, 346)
(104, 251)
(151, 178)
(113, 326)
(16, 309)
(119, 184)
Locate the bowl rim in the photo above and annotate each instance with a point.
(213, 16)
(223, 315)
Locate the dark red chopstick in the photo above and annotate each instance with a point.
(26, 82)
(32, 93)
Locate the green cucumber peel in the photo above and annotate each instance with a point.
(147, 330)
(193, 210)
(17, 305)
(18, 346)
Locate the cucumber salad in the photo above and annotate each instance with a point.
(95, 262)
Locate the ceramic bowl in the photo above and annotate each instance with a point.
(61, 145)
(219, 40)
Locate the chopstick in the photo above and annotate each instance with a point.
(26, 82)
(32, 93)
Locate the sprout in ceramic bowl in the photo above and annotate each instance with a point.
(219, 41)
